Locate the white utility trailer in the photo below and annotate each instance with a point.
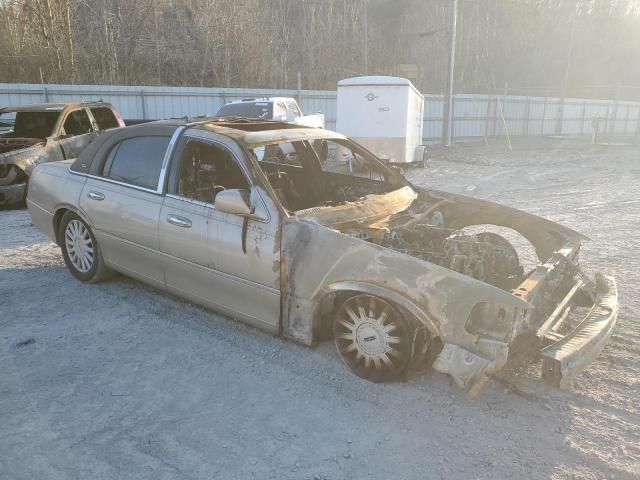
(384, 114)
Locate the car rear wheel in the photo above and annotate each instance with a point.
(372, 337)
(80, 249)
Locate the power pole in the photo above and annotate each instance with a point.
(565, 84)
(447, 124)
(366, 38)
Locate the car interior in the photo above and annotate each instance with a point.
(206, 170)
(301, 181)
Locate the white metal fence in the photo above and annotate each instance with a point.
(474, 115)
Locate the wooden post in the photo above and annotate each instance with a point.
(626, 119)
(544, 113)
(486, 118)
(526, 117)
(614, 114)
(495, 116)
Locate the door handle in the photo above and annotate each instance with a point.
(179, 221)
(96, 196)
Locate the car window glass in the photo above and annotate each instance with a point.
(137, 161)
(247, 109)
(281, 154)
(104, 118)
(338, 158)
(205, 170)
(292, 110)
(279, 111)
(77, 123)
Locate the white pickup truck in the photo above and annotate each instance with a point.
(282, 109)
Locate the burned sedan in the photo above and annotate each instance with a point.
(241, 216)
(45, 132)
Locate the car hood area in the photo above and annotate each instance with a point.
(408, 246)
(373, 216)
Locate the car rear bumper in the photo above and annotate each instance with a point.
(570, 354)
(12, 194)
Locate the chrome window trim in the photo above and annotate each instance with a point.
(115, 182)
(163, 169)
(167, 158)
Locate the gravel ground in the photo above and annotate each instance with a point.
(118, 380)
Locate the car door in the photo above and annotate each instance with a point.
(123, 199)
(77, 132)
(183, 223)
(206, 259)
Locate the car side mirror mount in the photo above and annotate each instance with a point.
(233, 201)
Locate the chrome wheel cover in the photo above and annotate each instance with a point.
(369, 333)
(79, 245)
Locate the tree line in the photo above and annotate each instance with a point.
(529, 46)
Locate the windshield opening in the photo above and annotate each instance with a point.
(321, 173)
(31, 124)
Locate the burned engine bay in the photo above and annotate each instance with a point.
(381, 211)
(421, 231)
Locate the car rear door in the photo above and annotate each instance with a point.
(122, 198)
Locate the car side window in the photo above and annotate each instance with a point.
(104, 118)
(206, 169)
(137, 161)
(279, 111)
(77, 123)
(292, 111)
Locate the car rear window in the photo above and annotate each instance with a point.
(137, 161)
(104, 118)
(262, 110)
(35, 124)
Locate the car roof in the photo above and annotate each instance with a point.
(52, 106)
(251, 132)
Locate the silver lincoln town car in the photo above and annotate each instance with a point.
(243, 216)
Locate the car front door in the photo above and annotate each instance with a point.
(77, 132)
(207, 259)
(123, 201)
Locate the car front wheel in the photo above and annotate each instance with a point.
(372, 337)
(80, 249)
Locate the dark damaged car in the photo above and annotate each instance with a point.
(242, 216)
(45, 132)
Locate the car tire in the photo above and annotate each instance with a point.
(80, 249)
(373, 337)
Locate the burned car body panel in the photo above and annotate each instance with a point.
(287, 259)
(38, 140)
(462, 211)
